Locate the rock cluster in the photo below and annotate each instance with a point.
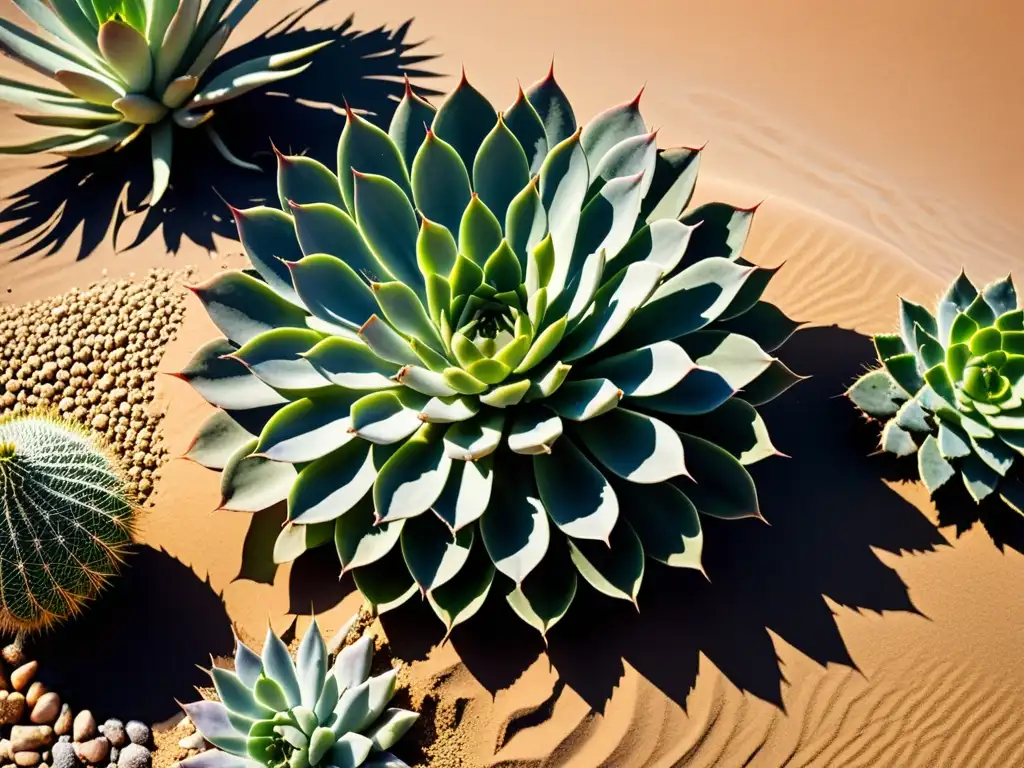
(92, 355)
(38, 730)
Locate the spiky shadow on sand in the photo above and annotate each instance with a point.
(155, 622)
(302, 115)
(827, 509)
(955, 507)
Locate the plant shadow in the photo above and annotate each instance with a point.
(956, 508)
(302, 115)
(135, 649)
(827, 510)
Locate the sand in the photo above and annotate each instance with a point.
(859, 629)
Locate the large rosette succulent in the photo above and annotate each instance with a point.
(497, 344)
(951, 390)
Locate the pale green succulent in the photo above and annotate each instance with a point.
(126, 65)
(951, 390)
(497, 345)
(309, 713)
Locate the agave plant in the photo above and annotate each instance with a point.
(68, 519)
(495, 345)
(305, 714)
(951, 390)
(125, 65)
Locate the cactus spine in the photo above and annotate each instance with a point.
(67, 518)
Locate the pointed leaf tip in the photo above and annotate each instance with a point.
(635, 103)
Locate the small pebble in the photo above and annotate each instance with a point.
(138, 732)
(64, 755)
(13, 655)
(194, 741)
(27, 759)
(26, 738)
(135, 756)
(114, 754)
(46, 709)
(63, 724)
(84, 727)
(12, 708)
(6, 753)
(95, 751)
(114, 731)
(35, 691)
(22, 676)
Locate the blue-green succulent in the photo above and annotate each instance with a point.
(950, 389)
(492, 349)
(310, 713)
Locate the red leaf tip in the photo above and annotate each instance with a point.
(281, 157)
(635, 103)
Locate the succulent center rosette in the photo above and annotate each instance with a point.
(303, 714)
(952, 390)
(129, 65)
(497, 345)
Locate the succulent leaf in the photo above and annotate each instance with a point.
(615, 568)
(211, 719)
(667, 524)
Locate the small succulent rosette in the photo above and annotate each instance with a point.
(127, 65)
(68, 516)
(951, 390)
(496, 351)
(309, 713)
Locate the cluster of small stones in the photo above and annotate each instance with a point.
(41, 731)
(92, 355)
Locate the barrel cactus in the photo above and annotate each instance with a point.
(494, 345)
(68, 519)
(125, 65)
(951, 390)
(305, 714)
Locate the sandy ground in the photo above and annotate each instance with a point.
(859, 629)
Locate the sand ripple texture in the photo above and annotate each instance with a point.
(926, 714)
(938, 234)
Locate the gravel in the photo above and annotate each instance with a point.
(91, 354)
